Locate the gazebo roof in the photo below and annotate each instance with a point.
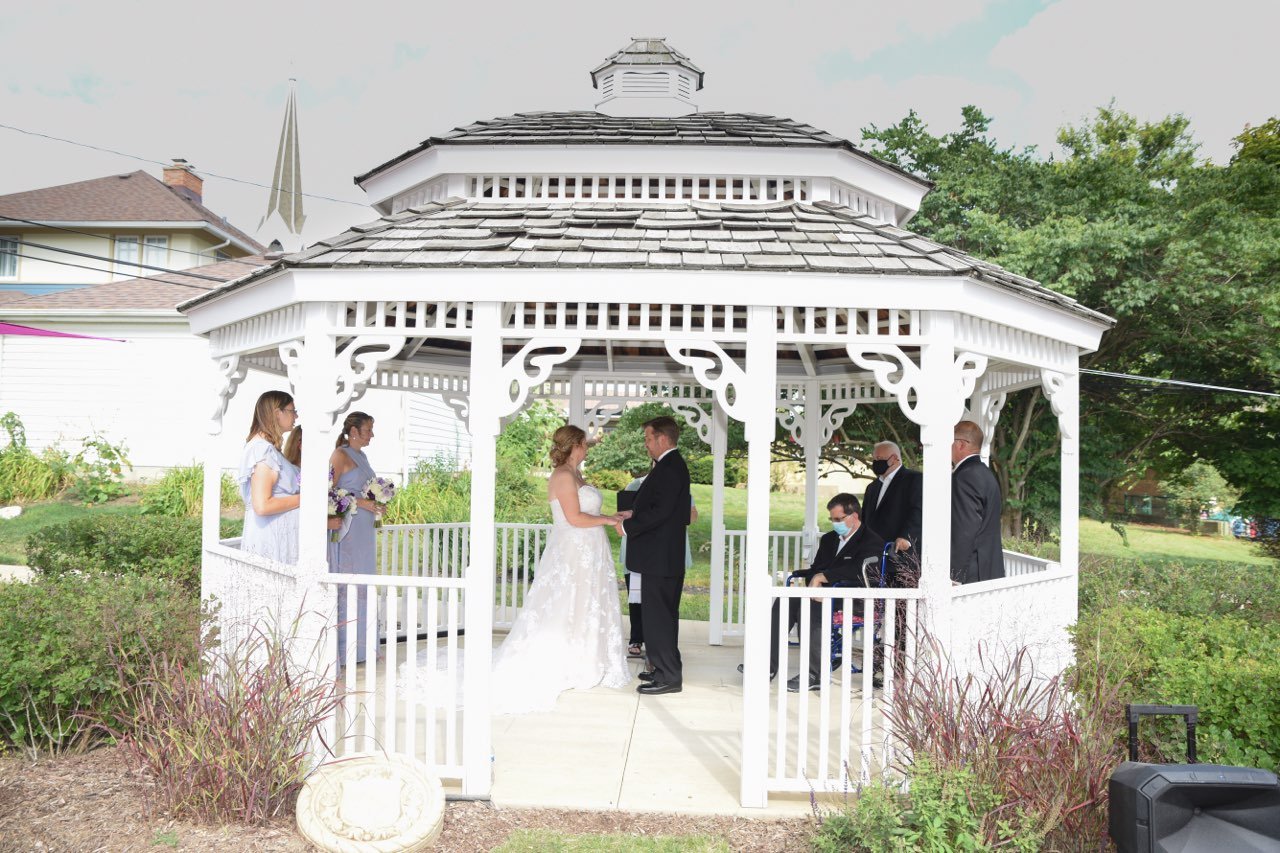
(593, 128)
(648, 51)
(799, 237)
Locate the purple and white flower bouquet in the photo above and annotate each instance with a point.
(342, 504)
(380, 490)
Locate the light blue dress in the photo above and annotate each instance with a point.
(355, 552)
(272, 536)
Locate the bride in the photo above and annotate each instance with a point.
(569, 631)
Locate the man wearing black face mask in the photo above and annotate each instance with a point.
(892, 504)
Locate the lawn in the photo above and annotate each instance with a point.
(14, 532)
(1165, 544)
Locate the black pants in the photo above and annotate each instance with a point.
(816, 630)
(660, 618)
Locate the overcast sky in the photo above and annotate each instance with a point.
(208, 82)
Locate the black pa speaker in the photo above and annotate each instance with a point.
(1182, 808)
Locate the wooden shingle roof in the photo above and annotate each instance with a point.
(796, 237)
(593, 128)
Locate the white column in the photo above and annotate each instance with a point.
(719, 443)
(812, 451)
(578, 401)
(1069, 429)
(938, 415)
(313, 396)
(760, 397)
(486, 365)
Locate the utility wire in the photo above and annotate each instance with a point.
(1200, 385)
(108, 237)
(199, 287)
(162, 163)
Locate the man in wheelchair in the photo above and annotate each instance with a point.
(841, 553)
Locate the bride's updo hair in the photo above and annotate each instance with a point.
(564, 441)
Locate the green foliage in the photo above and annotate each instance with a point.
(609, 481)
(438, 494)
(1227, 666)
(225, 734)
(946, 809)
(1247, 593)
(702, 471)
(1198, 488)
(526, 441)
(116, 545)
(180, 493)
(99, 470)
(24, 476)
(56, 665)
(622, 448)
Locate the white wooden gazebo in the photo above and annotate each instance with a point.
(732, 265)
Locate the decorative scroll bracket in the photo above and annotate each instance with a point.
(354, 366)
(517, 377)
(600, 415)
(230, 374)
(728, 380)
(460, 402)
(897, 374)
(1055, 386)
(791, 419)
(698, 418)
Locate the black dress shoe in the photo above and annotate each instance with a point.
(645, 675)
(793, 685)
(773, 673)
(657, 688)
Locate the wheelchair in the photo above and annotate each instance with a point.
(874, 576)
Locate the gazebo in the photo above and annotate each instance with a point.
(732, 265)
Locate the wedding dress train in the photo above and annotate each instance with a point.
(568, 634)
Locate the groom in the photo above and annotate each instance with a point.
(655, 531)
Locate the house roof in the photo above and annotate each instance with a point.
(788, 236)
(157, 292)
(593, 128)
(648, 51)
(130, 197)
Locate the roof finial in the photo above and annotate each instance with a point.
(286, 180)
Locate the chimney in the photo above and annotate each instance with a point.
(184, 180)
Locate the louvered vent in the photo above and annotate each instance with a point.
(652, 84)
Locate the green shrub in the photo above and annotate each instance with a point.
(945, 810)
(56, 658)
(225, 734)
(99, 470)
(154, 546)
(1226, 665)
(1250, 593)
(180, 493)
(437, 494)
(702, 471)
(24, 476)
(608, 480)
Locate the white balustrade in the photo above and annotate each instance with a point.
(1030, 609)
(839, 735)
(786, 555)
(1016, 565)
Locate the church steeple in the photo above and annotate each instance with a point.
(286, 180)
(647, 78)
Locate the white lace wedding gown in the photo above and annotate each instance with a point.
(569, 632)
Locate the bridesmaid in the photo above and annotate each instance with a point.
(269, 482)
(355, 552)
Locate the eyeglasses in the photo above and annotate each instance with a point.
(290, 411)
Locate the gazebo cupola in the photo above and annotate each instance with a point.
(647, 78)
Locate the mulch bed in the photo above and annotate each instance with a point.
(93, 802)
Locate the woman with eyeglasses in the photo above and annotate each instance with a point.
(269, 482)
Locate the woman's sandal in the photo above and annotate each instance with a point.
(634, 651)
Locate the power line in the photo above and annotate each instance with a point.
(93, 257)
(108, 237)
(162, 163)
(1179, 382)
(108, 272)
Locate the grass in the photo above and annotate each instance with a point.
(549, 841)
(1165, 544)
(14, 532)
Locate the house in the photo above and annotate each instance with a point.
(145, 385)
(113, 228)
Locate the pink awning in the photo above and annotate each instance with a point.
(15, 329)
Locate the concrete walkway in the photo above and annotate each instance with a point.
(615, 749)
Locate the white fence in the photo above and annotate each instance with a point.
(786, 555)
(830, 738)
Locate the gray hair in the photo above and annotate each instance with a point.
(897, 451)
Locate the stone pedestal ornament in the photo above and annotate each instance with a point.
(372, 803)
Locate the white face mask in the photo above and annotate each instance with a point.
(841, 528)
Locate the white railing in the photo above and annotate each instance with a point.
(1032, 610)
(839, 734)
(1016, 565)
(786, 555)
(248, 589)
(390, 701)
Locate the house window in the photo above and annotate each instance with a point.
(155, 251)
(8, 257)
(127, 257)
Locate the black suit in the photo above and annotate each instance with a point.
(655, 551)
(977, 553)
(898, 515)
(839, 566)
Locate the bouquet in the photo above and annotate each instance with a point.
(380, 490)
(342, 504)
